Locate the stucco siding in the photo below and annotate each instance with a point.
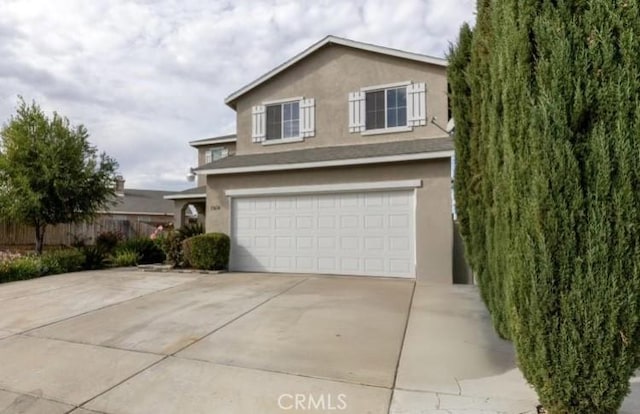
(434, 236)
(328, 76)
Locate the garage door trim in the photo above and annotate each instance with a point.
(325, 188)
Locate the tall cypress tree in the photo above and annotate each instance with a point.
(554, 138)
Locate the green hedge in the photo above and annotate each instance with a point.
(50, 263)
(207, 251)
(26, 267)
(62, 261)
(148, 250)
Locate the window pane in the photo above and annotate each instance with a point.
(391, 118)
(391, 98)
(274, 122)
(402, 97)
(402, 116)
(291, 120)
(374, 102)
(396, 107)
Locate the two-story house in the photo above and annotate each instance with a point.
(340, 166)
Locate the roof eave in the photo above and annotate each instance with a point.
(330, 163)
(231, 99)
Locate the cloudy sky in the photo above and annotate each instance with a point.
(147, 76)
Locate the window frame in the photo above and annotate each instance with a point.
(282, 102)
(385, 88)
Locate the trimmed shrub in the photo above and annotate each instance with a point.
(148, 250)
(108, 241)
(126, 258)
(207, 251)
(23, 268)
(94, 258)
(62, 261)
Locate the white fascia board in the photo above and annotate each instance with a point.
(326, 188)
(184, 196)
(212, 141)
(338, 41)
(332, 163)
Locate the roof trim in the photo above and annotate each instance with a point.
(325, 188)
(338, 41)
(332, 163)
(184, 196)
(213, 140)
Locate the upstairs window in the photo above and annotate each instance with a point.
(215, 154)
(283, 120)
(386, 108)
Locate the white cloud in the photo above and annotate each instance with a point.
(146, 77)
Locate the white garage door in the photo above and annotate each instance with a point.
(365, 233)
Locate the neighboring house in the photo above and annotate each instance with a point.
(138, 206)
(194, 199)
(340, 166)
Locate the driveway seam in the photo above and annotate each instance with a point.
(100, 308)
(40, 397)
(404, 337)
(181, 349)
(240, 316)
(292, 374)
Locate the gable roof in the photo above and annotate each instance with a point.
(142, 202)
(397, 151)
(213, 140)
(229, 100)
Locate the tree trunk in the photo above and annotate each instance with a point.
(40, 229)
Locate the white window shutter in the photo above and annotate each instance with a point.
(416, 104)
(208, 156)
(259, 122)
(356, 112)
(307, 117)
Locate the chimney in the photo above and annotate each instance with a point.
(119, 186)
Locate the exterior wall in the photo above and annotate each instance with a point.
(434, 235)
(202, 150)
(328, 76)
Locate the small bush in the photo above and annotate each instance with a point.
(190, 230)
(94, 258)
(207, 251)
(126, 258)
(62, 261)
(108, 240)
(148, 250)
(25, 267)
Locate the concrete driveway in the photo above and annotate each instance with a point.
(129, 342)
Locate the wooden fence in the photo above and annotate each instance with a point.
(12, 234)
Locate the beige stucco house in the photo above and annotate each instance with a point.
(341, 166)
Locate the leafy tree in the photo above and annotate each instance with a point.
(50, 173)
(551, 95)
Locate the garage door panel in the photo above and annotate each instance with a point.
(349, 233)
